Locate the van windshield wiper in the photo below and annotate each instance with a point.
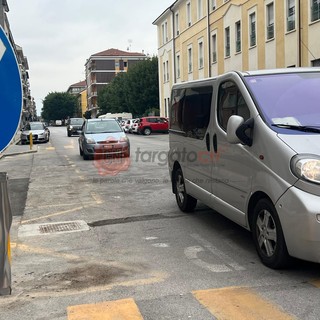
(315, 129)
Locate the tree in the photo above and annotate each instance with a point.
(58, 106)
(143, 86)
(135, 91)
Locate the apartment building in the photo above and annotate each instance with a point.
(79, 89)
(102, 67)
(204, 38)
(28, 104)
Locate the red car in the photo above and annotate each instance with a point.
(147, 125)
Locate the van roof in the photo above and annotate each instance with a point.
(246, 74)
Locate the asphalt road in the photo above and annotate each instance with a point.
(94, 240)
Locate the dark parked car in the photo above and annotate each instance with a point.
(40, 133)
(103, 138)
(74, 126)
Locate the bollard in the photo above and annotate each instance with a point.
(30, 140)
(5, 224)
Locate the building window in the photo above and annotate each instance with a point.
(189, 60)
(252, 29)
(238, 36)
(200, 55)
(270, 21)
(227, 42)
(200, 11)
(167, 68)
(315, 10)
(164, 32)
(214, 48)
(164, 72)
(189, 14)
(213, 5)
(177, 24)
(178, 66)
(291, 15)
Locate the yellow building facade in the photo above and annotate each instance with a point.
(204, 38)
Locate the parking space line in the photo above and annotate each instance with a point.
(239, 303)
(125, 309)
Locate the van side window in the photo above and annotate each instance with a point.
(196, 111)
(176, 110)
(230, 102)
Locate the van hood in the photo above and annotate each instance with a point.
(302, 143)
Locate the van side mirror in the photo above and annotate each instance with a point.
(239, 131)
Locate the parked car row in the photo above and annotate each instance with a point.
(146, 125)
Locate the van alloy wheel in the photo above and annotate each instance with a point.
(268, 236)
(185, 202)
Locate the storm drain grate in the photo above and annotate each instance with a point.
(52, 228)
(60, 227)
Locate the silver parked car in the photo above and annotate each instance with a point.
(103, 138)
(40, 133)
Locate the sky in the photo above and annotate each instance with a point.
(57, 37)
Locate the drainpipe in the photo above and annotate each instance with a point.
(173, 46)
(209, 38)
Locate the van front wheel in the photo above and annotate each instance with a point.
(185, 202)
(268, 236)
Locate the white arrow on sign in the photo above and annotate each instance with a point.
(2, 49)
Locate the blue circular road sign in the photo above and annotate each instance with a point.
(10, 92)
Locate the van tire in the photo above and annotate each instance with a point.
(268, 235)
(185, 202)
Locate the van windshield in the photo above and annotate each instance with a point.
(288, 101)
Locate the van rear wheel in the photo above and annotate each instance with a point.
(185, 202)
(268, 236)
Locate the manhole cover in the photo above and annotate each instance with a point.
(52, 228)
(60, 227)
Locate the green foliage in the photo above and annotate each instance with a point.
(58, 106)
(135, 91)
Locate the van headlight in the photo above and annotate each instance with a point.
(306, 167)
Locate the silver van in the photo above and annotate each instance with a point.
(247, 144)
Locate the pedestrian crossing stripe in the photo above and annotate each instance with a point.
(125, 309)
(239, 303)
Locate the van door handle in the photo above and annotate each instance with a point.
(215, 143)
(208, 141)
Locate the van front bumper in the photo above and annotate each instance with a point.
(299, 213)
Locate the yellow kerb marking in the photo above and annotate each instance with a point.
(51, 148)
(69, 147)
(239, 303)
(125, 309)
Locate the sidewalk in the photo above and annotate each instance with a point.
(16, 148)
